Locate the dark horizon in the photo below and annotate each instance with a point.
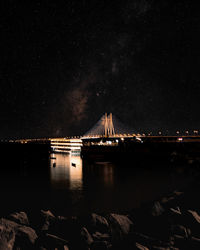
(65, 64)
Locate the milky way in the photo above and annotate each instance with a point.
(64, 64)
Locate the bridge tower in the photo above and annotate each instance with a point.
(108, 125)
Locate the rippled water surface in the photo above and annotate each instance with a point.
(71, 186)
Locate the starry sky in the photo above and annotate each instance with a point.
(65, 63)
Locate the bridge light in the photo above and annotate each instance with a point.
(139, 139)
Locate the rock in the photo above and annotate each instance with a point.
(100, 245)
(50, 241)
(9, 224)
(165, 200)
(163, 248)
(176, 210)
(171, 200)
(120, 226)
(62, 218)
(47, 214)
(24, 236)
(195, 215)
(99, 223)
(175, 216)
(190, 219)
(182, 243)
(45, 226)
(181, 230)
(157, 209)
(140, 247)
(60, 226)
(174, 198)
(27, 233)
(7, 238)
(41, 220)
(100, 237)
(147, 241)
(19, 217)
(54, 238)
(66, 228)
(178, 193)
(47, 219)
(195, 243)
(122, 221)
(153, 226)
(86, 237)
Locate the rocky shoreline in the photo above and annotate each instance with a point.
(172, 222)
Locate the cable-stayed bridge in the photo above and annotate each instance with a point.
(110, 131)
(109, 126)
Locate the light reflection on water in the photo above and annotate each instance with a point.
(95, 187)
(66, 172)
(103, 186)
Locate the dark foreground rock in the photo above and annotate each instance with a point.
(19, 217)
(170, 223)
(16, 234)
(7, 237)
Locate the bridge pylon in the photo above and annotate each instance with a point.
(108, 125)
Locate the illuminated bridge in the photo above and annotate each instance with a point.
(109, 126)
(110, 131)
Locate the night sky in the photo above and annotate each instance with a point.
(65, 63)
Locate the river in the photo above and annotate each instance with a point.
(71, 186)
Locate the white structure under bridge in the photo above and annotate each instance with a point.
(66, 145)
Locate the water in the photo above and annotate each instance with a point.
(64, 175)
(71, 186)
